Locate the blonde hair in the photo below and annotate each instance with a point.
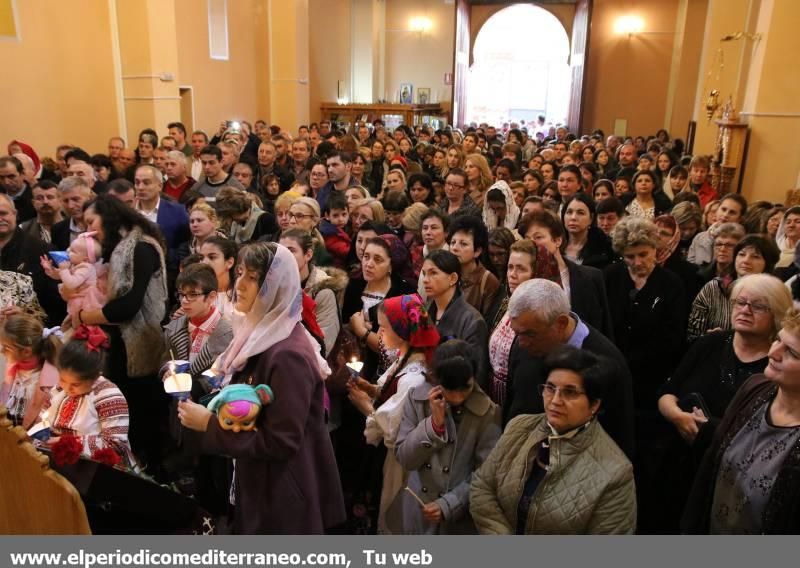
(206, 210)
(412, 217)
(286, 200)
(311, 204)
(378, 214)
(361, 189)
(461, 159)
(772, 289)
(480, 162)
(791, 320)
(399, 172)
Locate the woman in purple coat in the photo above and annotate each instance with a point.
(285, 479)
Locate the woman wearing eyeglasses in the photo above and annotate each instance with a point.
(456, 201)
(747, 482)
(711, 309)
(304, 214)
(558, 472)
(707, 379)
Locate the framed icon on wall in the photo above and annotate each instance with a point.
(406, 93)
(423, 95)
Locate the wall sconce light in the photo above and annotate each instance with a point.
(628, 25)
(420, 24)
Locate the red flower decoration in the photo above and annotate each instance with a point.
(67, 450)
(107, 456)
(94, 336)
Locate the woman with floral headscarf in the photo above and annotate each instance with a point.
(285, 479)
(406, 327)
(526, 261)
(499, 208)
(668, 256)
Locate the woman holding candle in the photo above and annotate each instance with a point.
(406, 327)
(285, 479)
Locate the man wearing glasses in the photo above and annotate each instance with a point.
(542, 321)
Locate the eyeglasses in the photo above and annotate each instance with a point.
(568, 393)
(724, 245)
(453, 185)
(299, 216)
(191, 297)
(755, 307)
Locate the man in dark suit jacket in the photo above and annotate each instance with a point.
(170, 217)
(75, 191)
(541, 318)
(13, 184)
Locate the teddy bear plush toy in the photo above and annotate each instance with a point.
(237, 406)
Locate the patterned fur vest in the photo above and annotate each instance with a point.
(144, 342)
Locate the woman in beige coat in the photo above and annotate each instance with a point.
(558, 472)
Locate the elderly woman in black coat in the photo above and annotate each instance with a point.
(647, 306)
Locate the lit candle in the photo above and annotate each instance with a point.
(177, 385)
(355, 365)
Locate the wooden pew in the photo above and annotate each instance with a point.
(34, 499)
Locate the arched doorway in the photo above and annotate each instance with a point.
(521, 68)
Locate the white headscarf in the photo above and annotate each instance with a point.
(275, 312)
(512, 211)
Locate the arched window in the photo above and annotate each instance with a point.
(521, 67)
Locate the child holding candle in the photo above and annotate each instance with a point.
(201, 334)
(406, 326)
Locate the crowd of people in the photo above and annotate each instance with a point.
(500, 330)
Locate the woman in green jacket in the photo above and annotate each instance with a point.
(558, 472)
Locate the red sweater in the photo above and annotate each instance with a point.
(176, 192)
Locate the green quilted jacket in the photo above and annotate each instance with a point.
(588, 489)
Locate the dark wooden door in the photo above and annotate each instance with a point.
(461, 63)
(580, 48)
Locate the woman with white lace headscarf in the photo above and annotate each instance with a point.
(285, 478)
(499, 207)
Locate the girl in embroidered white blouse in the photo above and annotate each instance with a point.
(87, 405)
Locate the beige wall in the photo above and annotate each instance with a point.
(408, 57)
(65, 94)
(628, 77)
(329, 51)
(419, 59)
(224, 90)
(687, 54)
(772, 104)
